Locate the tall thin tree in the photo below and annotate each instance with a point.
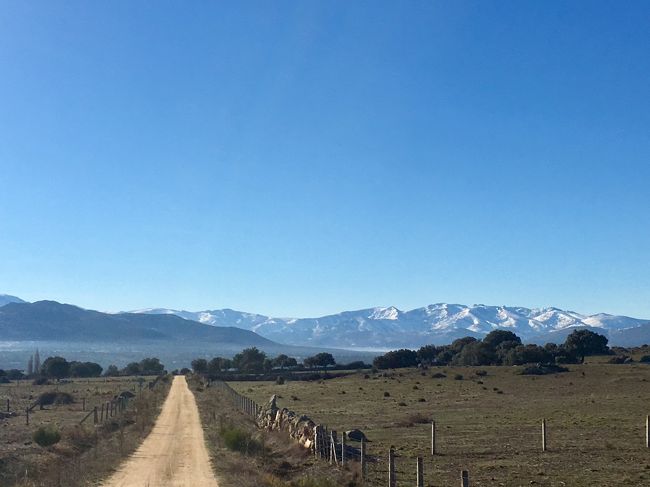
(37, 362)
(30, 366)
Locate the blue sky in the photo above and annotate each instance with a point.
(301, 158)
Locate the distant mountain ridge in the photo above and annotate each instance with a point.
(6, 299)
(118, 338)
(49, 320)
(371, 329)
(390, 327)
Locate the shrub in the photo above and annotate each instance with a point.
(48, 398)
(645, 359)
(241, 441)
(313, 482)
(481, 373)
(542, 369)
(46, 436)
(386, 394)
(438, 375)
(279, 380)
(458, 377)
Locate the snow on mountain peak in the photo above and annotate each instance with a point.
(389, 327)
(390, 313)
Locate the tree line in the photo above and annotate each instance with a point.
(59, 368)
(254, 361)
(499, 347)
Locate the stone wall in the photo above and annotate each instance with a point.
(299, 427)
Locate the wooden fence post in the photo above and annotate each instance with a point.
(392, 481)
(7, 405)
(343, 448)
(27, 416)
(95, 415)
(464, 478)
(647, 431)
(543, 435)
(363, 459)
(329, 447)
(419, 473)
(333, 458)
(433, 438)
(102, 416)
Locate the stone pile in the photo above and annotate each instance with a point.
(299, 427)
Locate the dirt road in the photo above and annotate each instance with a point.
(174, 453)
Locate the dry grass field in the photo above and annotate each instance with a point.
(276, 463)
(488, 424)
(84, 450)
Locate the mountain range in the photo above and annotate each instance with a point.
(385, 328)
(49, 320)
(117, 338)
(368, 329)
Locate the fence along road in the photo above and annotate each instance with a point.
(174, 453)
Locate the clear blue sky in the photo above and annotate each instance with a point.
(301, 158)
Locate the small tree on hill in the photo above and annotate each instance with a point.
(85, 369)
(322, 359)
(284, 361)
(474, 353)
(250, 360)
(493, 339)
(132, 368)
(112, 371)
(458, 344)
(218, 364)
(427, 354)
(527, 354)
(585, 342)
(396, 359)
(56, 368)
(151, 366)
(200, 366)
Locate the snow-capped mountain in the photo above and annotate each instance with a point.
(382, 328)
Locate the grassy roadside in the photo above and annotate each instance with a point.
(87, 454)
(244, 456)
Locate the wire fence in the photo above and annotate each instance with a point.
(13, 405)
(454, 439)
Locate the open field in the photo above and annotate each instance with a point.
(23, 462)
(269, 459)
(489, 425)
